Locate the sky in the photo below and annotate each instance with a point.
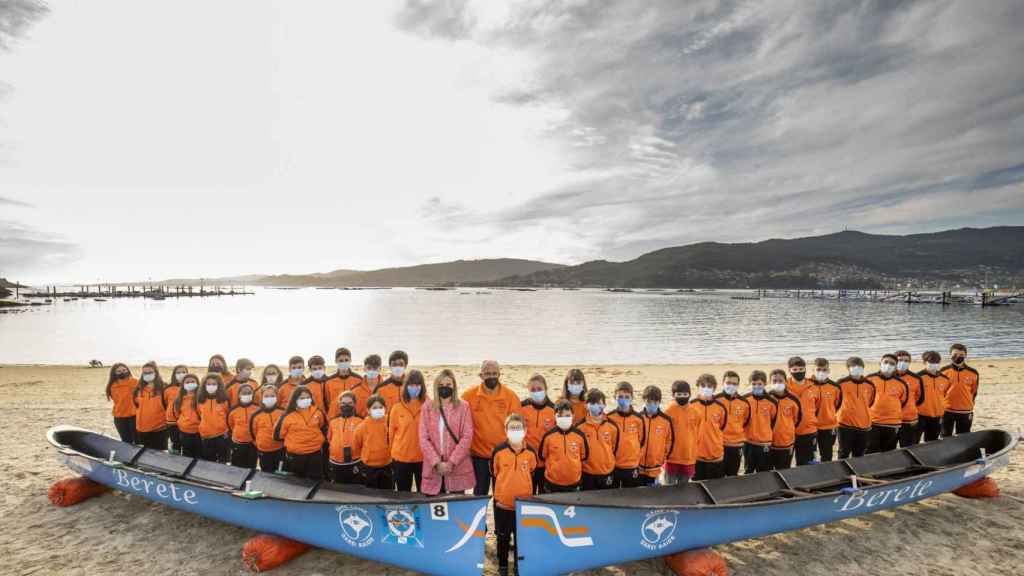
(146, 140)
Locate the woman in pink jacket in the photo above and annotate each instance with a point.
(446, 431)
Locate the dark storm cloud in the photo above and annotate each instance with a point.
(691, 121)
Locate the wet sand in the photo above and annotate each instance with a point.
(121, 534)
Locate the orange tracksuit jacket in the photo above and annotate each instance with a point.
(238, 423)
(513, 474)
(761, 425)
(489, 411)
(539, 419)
(788, 417)
(341, 435)
(933, 394)
(855, 399)
(372, 443)
(659, 436)
(404, 431)
(963, 388)
(807, 393)
(603, 440)
(150, 411)
(302, 430)
(631, 438)
(261, 428)
(739, 414)
(213, 418)
(686, 421)
(563, 453)
(829, 398)
(891, 395)
(122, 393)
(711, 434)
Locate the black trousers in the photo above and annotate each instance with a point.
(405, 473)
(708, 470)
(626, 478)
(346, 473)
(781, 458)
(731, 460)
(378, 477)
(552, 488)
(482, 472)
(270, 461)
(156, 440)
(305, 465)
(826, 442)
(908, 434)
(216, 449)
(852, 442)
(756, 458)
(956, 423)
(191, 445)
(596, 482)
(929, 428)
(126, 428)
(243, 455)
(883, 438)
(538, 480)
(505, 532)
(175, 435)
(804, 448)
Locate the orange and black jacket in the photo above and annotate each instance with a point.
(489, 410)
(261, 428)
(285, 391)
(603, 441)
(170, 394)
(933, 394)
(789, 414)
(686, 421)
(404, 431)
(563, 453)
(963, 388)
(891, 395)
(318, 388)
(513, 474)
(187, 418)
(915, 398)
(739, 414)
(539, 419)
(391, 391)
(855, 399)
(335, 386)
(760, 428)
(362, 392)
(372, 444)
(807, 393)
(829, 399)
(150, 410)
(579, 409)
(714, 417)
(302, 430)
(213, 418)
(122, 393)
(238, 423)
(659, 437)
(631, 438)
(341, 435)
(232, 388)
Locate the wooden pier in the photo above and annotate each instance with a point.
(153, 292)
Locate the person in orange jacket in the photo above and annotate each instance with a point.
(301, 429)
(341, 435)
(828, 407)
(404, 432)
(539, 413)
(603, 440)
(908, 435)
(296, 376)
(789, 415)
(269, 452)
(212, 405)
(563, 450)
(714, 417)
(218, 365)
(372, 444)
(961, 393)
(271, 376)
(854, 413)
(512, 465)
(735, 436)
(574, 389)
(317, 382)
(760, 425)
(659, 437)
(631, 438)
(150, 409)
(243, 375)
(391, 389)
(490, 403)
(805, 390)
(121, 391)
(171, 390)
(183, 412)
(686, 420)
(891, 396)
(243, 450)
(343, 379)
(933, 397)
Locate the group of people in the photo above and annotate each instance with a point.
(391, 432)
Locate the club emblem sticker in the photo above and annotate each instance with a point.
(356, 526)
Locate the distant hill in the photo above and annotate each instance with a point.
(842, 260)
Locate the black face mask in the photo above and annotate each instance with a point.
(798, 376)
(683, 401)
(347, 410)
(958, 360)
(491, 383)
(122, 375)
(216, 369)
(444, 392)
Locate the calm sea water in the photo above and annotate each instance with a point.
(465, 326)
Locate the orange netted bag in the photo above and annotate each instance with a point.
(71, 491)
(703, 562)
(266, 552)
(984, 488)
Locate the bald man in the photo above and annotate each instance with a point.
(490, 403)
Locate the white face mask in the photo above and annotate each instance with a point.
(730, 389)
(377, 413)
(706, 392)
(821, 375)
(397, 371)
(304, 403)
(887, 368)
(902, 365)
(149, 376)
(575, 389)
(933, 367)
(269, 401)
(244, 375)
(317, 373)
(270, 378)
(779, 386)
(516, 436)
(179, 376)
(856, 371)
(245, 398)
(564, 422)
(344, 366)
(190, 386)
(211, 388)
(372, 374)
(296, 372)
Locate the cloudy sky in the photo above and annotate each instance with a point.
(147, 139)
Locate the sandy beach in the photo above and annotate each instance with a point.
(120, 534)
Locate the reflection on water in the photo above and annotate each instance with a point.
(542, 327)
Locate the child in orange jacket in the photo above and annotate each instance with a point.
(269, 452)
(373, 445)
(512, 466)
(563, 450)
(602, 439)
(788, 417)
(301, 430)
(539, 414)
(341, 433)
(121, 391)
(212, 405)
(150, 409)
(243, 450)
(404, 432)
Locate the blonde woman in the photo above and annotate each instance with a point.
(446, 432)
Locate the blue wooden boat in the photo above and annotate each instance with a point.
(434, 535)
(561, 533)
